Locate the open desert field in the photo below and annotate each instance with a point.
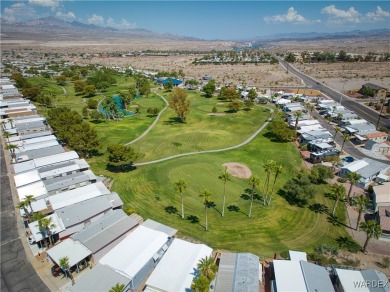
(353, 74)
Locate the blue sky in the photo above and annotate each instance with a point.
(211, 19)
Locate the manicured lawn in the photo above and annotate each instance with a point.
(276, 228)
(201, 131)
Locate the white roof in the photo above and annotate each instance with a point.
(35, 146)
(26, 178)
(356, 165)
(28, 120)
(288, 276)
(133, 252)
(37, 234)
(175, 271)
(349, 278)
(74, 250)
(38, 205)
(44, 161)
(297, 256)
(283, 101)
(36, 189)
(35, 140)
(81, 194)
(52, 172)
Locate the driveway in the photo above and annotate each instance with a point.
(17, 273)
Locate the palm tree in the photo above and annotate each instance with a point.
(297, 116)
(268, 167)
(346, 138)
(47, 225)
(337, 130)
(23, 205)
(180, 187)
(276, 170)
(337, 192)
(372, 229)
(254, 181)
(11, 122)
(11, 148)
(207, 267)
(224, 177)
(206, 195)
(311, 107)
(36, 216)
(361, 203)
(353, 178)
(117, 288)
(64, 264)
(3, 123)
(28, 200)
(6, 135)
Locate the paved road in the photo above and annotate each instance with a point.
(366, 113)
(17, 273)
(210, 151)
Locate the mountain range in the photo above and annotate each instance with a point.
(53, 28)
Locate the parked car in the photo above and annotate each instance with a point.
(31, 240)
(56, 271)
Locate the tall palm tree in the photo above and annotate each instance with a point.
(206, 195)
(47, 225)
(224, 177)
(297, 115)
(337, 130)
(180, 187)
(311, 107)
(11, 122)
(36, 216)
(346, 138)
(11, 148)
(254, 182)
(276, 171)
(28, 200)
(353, 178)
(64, 264)
(269, 168)
(3, 123)
(372, 229)
(23, 205)
(6, 135)
(361, 203)
(207, 267)
(337, 192)
(117, 288)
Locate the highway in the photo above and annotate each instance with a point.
(364, 112)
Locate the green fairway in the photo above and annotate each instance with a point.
(279, 227)
(201, 131)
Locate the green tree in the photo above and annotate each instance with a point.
(281, 132)
(83, 139)
(96, 115)
(353, 178)
(320, 173)
(337, 193)
(92, 104)
(31, 92)
(200, 284)
(179, 103)
(48, 225)
(79, 86)
(224, 177)
(235, 105)
(214, 110)
(117, 288)
(89, 90)
(229, 94)
(180, 187)
(252, 94)
(209, 88)
(290, 58)
(346, 138)
(361, 204)
(28, 200)
(23, 205)
(62, 119)
(207, 268)
(206, 195)
(297, 115)
(61, 80)
(169, 85)
(372, 229)
(278, 169)
(6, 135)
(120, 156)
(64, 264)
(11, 148)
(337, 130)
(299, 190)
(269, 167)
(84, 112)
(249, 104)
(254, 182)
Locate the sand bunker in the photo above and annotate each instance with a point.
(238, 170)
(216, 114)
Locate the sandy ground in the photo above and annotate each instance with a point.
(238, 170)
(216, 114)
(354, 75)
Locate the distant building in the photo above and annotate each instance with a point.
(379, 91)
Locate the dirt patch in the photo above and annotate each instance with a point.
(216, 114)
(238, 170)
(134, 105)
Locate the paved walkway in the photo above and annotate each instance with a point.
(63, 89)
(210, 151)
(154, 123)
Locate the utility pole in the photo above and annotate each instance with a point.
(341, 96)
(380, 113)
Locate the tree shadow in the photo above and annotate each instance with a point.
(234, 208)
(171, 210)
(272, 138)
(230, 111)
(194, 220)
(213, 205)
(97, 121)
(117, 169)
(245, 197)
(336, 222)
(290, 199)
(173, 121)
(319, 208)
(177, 144)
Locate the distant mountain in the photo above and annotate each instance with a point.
(318, 35)
(52, 27)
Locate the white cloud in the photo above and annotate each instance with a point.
(66, 16)
(341, 16)
(123, 24)
(45, 3)
(291, 16)
(96, 19)
(378, 15)
(18, 11)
